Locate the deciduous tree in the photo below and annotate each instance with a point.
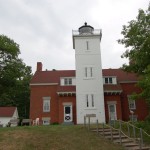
(14, 77)
(137, 43)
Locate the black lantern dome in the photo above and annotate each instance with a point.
(86, 29)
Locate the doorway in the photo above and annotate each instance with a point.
(112, 111)
(68, 113)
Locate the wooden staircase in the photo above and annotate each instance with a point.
(119, 137)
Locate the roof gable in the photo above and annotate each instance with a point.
(7, 111)
(51, 76)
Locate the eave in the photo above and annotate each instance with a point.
(35, 84)
(115, 92)
(72, 93)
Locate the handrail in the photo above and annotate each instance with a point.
(134, 126)
(130, 133)
(146, 133)
(119, 130)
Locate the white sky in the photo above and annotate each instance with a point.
(43, 28)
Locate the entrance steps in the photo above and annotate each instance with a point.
(127, 143)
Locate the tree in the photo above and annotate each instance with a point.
(137, 41)
(14, 77)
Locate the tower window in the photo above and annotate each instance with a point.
(88, 72)
(91, 72)
(92, 99)
(87, 45)
(87, 101)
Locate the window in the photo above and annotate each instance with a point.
(88, 72)
(68, 81)
(46, 104)
(89, 100)
(46, 120)
(92, 98)
(108, 81)
(87, 45)
(131, 102)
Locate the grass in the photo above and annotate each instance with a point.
(53, 137)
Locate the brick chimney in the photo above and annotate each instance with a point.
(39, 66)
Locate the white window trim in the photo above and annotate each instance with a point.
(115, 115)
(131, 102)
(113, 78)
(89, 101)
(109, 79)
(46, 119)
(46, 100)
(68, 81)
(88, 72)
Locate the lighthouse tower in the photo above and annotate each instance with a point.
(89, 82)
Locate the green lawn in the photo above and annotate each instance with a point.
(53, 137)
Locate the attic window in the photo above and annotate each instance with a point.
(108, 80)
(68, 81)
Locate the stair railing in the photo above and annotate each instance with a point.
(138, 134)
(124, 128)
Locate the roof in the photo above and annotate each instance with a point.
(54, 76)
(7, 111)
(42, 77)
(121, 75)
(51, 76)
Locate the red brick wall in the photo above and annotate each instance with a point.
(118, 105)
(141, 107)
(57, 108)
(36, 102)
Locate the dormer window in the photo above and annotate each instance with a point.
(109, 80)
(68, 81)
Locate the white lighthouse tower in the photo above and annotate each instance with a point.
(89, 82)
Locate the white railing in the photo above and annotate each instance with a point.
(94, 32)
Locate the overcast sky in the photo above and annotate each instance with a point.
(43, 28)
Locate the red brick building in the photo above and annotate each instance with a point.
(66, 96)
(48, 86)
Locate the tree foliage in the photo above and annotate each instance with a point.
(14, 77)
(137, 42)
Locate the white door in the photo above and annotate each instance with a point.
(112, 111)
(68, 113)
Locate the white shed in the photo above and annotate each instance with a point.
(6, 114)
